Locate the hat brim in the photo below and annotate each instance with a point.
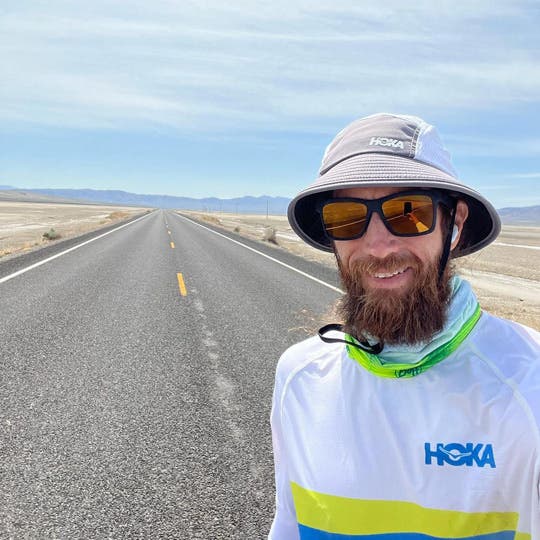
(381, 170)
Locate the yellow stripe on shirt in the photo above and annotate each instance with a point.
(342, 515)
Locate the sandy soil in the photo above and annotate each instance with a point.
(505, 275)
(23, 224)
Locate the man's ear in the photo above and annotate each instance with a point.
(462, 212)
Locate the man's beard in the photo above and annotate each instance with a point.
(395, 316)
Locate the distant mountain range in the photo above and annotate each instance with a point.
(255, 205)
(528, 215)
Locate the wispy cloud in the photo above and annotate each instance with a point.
(526, 176)
(263, 87)
(500, 146)
(293, 65)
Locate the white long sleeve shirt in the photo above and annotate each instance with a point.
(453, 452)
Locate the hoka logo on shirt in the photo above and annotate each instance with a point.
(457, 454)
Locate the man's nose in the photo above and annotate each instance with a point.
(378, 240)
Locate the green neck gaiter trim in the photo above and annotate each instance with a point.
(372, 363)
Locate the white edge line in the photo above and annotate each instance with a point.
(515, 245)
(264, 255)
(31, 267)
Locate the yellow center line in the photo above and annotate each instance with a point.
(172, 245)
(181, 284)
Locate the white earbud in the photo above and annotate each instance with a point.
(455, 232)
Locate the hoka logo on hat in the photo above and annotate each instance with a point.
(385, 141)
(457, 454)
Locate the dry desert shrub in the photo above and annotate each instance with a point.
(117, 215)
(269, 235)
(51, 234)
(211, 219)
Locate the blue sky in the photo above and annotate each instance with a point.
(211, 98)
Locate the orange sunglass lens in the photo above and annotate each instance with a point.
(412, 214)
(344, 219)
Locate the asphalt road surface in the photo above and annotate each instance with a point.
(136, 381)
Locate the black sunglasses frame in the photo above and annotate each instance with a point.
(375, 205)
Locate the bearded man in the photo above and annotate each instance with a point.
(418, 417)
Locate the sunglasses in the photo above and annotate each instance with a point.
(407, 213)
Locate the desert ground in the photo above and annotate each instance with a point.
(505, 275)
(23, 224)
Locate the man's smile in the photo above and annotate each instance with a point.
(389, 279)
(386, 275)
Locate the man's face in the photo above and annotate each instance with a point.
(378, 242)
(392, 282)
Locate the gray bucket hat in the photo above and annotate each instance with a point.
(390, 150)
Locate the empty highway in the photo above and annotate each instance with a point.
(136, 382)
